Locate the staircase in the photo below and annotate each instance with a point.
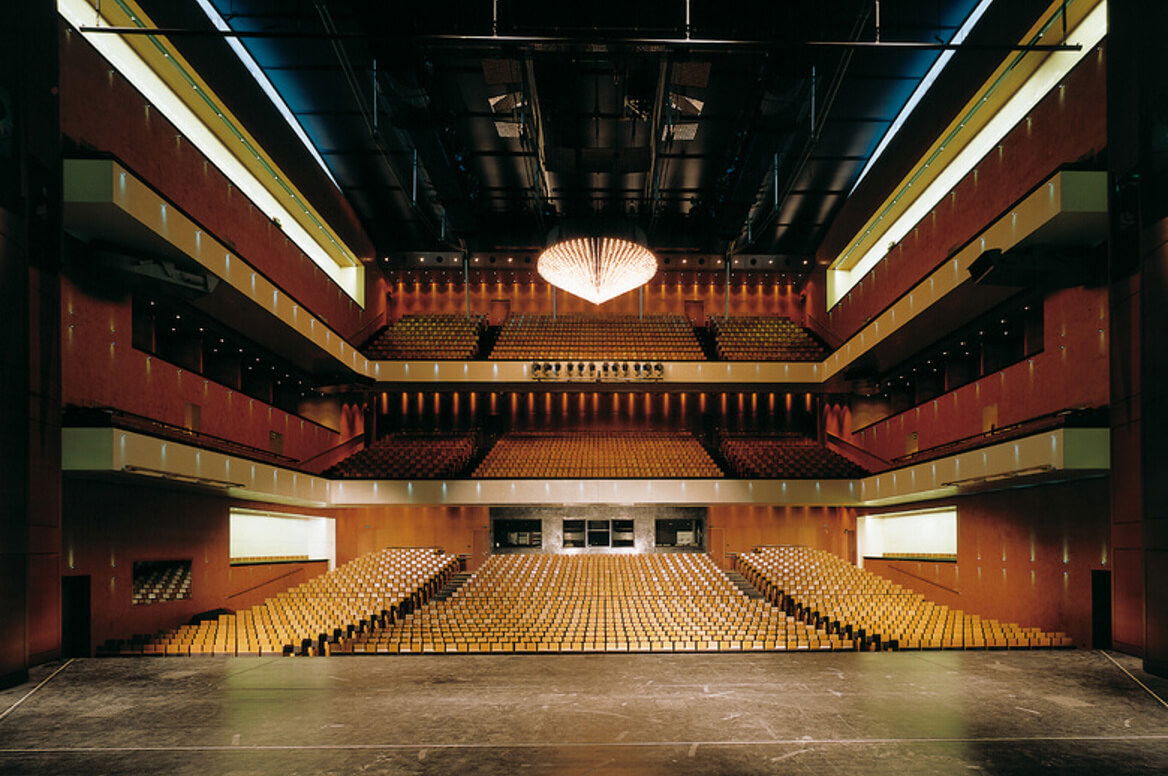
(455, 582)
(487, 341)
(708, 342)
(741, 583)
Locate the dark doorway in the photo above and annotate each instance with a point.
(1101, 609)
(75, 616)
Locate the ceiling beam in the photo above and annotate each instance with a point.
(533, 135)
(652, 179)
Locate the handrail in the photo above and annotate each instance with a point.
(924, 579)
(112, 417)
(270, 581)
(1057, 419)
(848, 450)
(314, 464)
(359, 336)
(822, 330)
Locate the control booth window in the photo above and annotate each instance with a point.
(573, 533)
(599, 533)
(518, 533)
(679, 533)
(622, 533)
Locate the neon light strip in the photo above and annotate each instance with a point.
(139, 73)
(1090, 31)
(266, 85)
(923, 87)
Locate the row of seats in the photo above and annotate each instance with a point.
(645, 454)
(249, 559)
(162, 582)
(764, 338)
(437, 336)
(781, 457)
(653, 337)
(620, 337)
(409, 456)
(596, 603)
(310, 618)
(662, 455)
(823, 589)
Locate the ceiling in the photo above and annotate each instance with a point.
(443, 135)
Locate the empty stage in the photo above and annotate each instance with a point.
(895, 713)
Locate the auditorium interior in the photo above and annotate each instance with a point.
(500, 386)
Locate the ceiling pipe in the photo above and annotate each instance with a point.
(494, 41)
(816, 127)
(369, 115)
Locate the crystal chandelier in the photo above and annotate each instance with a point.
(597, 268)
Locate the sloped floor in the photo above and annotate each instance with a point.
(1071, 712)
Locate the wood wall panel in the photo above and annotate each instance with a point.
(745, 527)
(526, 292)
(101, 368)
(1071, 371)
(1068, 126)
(109, 525)
(1023, 555)
(102, 111)
(365, 529)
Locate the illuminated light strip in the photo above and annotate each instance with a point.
(923, 87)
(239, 135)
(1088, 34)
(137, 71)
(266, 85)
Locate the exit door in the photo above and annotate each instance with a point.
(75, 615)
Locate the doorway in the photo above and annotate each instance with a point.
(1100, 609)
(75, 616)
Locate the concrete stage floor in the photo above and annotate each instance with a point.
(1067, 712)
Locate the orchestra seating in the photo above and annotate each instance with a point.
(653, 337)
(435, 336)
(409, 456)
(309, 618)
(669, 602)
(759, 338)
(545, 454)
(784, 457)
(826, 590)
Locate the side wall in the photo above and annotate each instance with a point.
(100, 367)
(744, 527)
(1071, 371)
(1068, 126)
(1023, 555)
(101, 111)
(365, 529)
(108, 526)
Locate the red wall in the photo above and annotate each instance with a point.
(102, 111)
(442, 292)
(1069, 125)
(108, 526)
(1071, 371)
(99, 367)
(366, 529)
(745, 527)
(1023, 555)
